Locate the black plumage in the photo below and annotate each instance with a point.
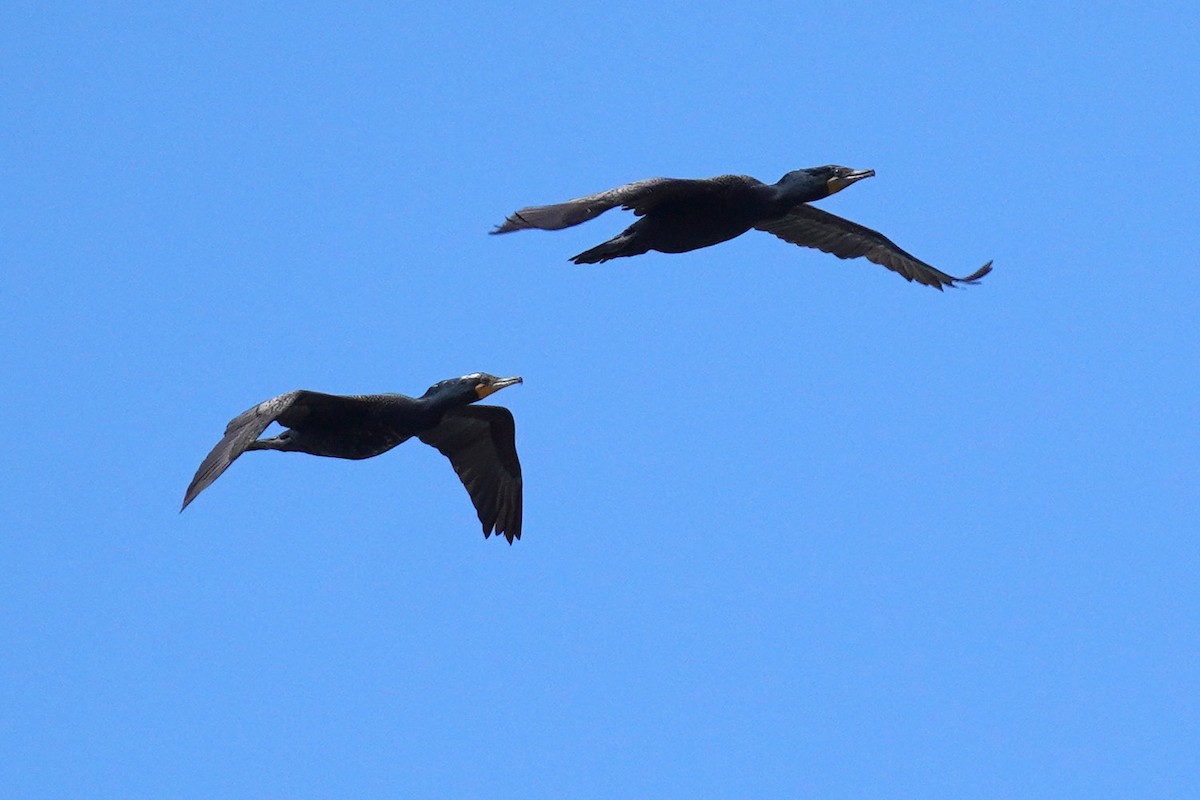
(479, 440)
(678, 215)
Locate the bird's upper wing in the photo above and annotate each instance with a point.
(808, 226)
(239, 433)
(480, 442)
(639, 196)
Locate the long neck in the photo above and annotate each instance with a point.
(430, 408)
(792, 191)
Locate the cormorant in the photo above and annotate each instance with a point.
(479, 440)
(678, 215)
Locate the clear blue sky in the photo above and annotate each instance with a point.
(794, 527)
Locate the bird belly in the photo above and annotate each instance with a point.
(683, 235)
(354, 445)
(702, 222)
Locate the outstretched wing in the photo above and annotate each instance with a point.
(241, 431)
(480, 442)
(639, 196)
(808, 226)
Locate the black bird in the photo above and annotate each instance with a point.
(480, 441)
(678, 215)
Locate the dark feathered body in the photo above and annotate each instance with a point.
(349, 426)
(715, 211)
(479, 440)
(682, 214)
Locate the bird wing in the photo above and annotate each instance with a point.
(239, 433)
(808, 226)
(300, 409)
(639, 196)
(480, 442)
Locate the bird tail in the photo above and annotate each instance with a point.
(616, 247)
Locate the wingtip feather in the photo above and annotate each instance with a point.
(970, 280)
(979, 273)
(513, 222)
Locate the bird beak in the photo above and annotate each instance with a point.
(484, 389)
(837, 183)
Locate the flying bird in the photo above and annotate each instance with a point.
(679, 214)
(479, 440)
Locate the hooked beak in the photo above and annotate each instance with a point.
(484, 389)
(837, 183)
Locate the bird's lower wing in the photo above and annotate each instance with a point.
(639, 196)
(241, 431)
(480, 442)
(808, 226)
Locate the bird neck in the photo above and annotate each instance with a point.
(431, 409)
(788, 193)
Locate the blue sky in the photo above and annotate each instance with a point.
(794, 527)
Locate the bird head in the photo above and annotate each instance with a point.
(469, 388)
(822, 181)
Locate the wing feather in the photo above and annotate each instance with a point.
(480, 442)
(639, 196)
(809, 226)
(241, 431)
